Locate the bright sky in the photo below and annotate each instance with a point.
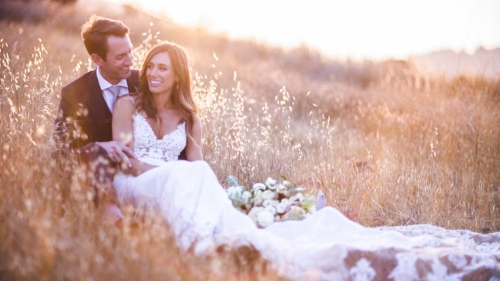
(356, 29)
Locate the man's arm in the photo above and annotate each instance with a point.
(65, 136)
(68, 135)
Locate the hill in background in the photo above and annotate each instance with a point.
(482, 62)
(248, 55)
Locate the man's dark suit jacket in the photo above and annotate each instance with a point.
(84, 116)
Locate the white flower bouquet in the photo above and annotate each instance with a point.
(271, 202)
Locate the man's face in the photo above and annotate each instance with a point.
(118, 59)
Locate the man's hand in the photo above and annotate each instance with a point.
(112, 212)
(118, 152)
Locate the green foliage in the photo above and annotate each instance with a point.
(232, 181)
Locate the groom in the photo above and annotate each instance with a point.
(83, 123)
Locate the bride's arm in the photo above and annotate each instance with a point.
(123, 132)
(193, 146)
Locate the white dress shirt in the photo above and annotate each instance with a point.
(108, 96)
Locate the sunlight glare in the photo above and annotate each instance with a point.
(355, 29)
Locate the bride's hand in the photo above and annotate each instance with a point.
(118, 152)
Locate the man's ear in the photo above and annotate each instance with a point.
(98, 60)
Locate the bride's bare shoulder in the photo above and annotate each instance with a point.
(124, 103)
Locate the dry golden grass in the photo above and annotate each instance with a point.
(387, 145)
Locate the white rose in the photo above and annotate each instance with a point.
(270, 183)
(280, 209)
(297, 198)
(257, 198)
(268, 194)
(265, 218)
(280, 188)
(287, 193)
(258, 186)
(271, 209)
(295, 213)
(269, 202)
(246, 195)
(254, 212)
(258, 201)
(283, 206)
(287, 184)
(298, 211)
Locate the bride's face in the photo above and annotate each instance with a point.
(160, 74)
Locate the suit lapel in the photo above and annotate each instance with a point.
(133, 81)
(131, 87)
(98, 108)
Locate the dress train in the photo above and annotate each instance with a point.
(324, 246)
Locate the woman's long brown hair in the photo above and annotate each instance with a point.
(181, 94)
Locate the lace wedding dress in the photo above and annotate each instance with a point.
(324, 246)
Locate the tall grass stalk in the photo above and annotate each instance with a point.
(396, 148)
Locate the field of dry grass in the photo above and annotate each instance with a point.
(387, 145)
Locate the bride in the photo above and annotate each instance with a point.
(160, 123)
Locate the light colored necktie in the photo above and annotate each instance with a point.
(115, 90)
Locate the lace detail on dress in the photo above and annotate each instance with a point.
(147, 145)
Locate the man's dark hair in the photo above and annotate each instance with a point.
(95, 34)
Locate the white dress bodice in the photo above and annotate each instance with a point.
(147, 145)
